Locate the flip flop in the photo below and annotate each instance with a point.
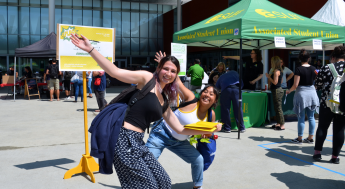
(273, 126)
(278, 128)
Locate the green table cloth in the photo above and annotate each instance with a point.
(254, 106)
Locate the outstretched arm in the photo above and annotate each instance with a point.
(231, 57)
(126, 76)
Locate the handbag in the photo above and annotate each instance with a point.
(75, 78)
(97, 82)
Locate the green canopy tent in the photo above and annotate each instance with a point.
(251, 24)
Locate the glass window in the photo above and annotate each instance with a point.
(3, 64)
(153, 25)
(116, 5)
(134, 24)
(118, 47)
(44, 21)
(24, 21)
(35, 38)
(44, 2)
(24, 2)
(43, 36)
(35, 2)
(35, 21)
(126, 46)
(144, 7)
(135, 6)
(77, 4)
(87, 17)
(152, 46)
(58, 2)
(66, 3)
(97, 20)
(116, 23)
(160, 9)
(12, 2)
(144, 46)
(144, 25)
(107, 19)
(77, 17)
(3, 19)
(126, 6)
(153, 8)
(13, 43)
(57, 17)
(96, 3)
(87, 3)
(3, 46)
(12, 20)
(160, 45)
(67, 16)
(134, 46)
(166, 8)
(24, 40)
(126, 27)
(160, 26)
(106, 5)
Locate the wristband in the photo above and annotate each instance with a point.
(91, 50)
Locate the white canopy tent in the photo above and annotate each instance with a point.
(333, 12)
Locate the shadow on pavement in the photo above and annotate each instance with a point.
(119, 187)
(186, 185)
(46, 163)
(268, 139)
(298, 180)
(89, 109)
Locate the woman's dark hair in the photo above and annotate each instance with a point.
(258, 54)
(215, 91)
(170, 89)
(210, 79)
(29, 69)
(339, 52)
(303, 56)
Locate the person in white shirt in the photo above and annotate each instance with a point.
(286, 72)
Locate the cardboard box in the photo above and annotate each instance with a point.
(6, 79)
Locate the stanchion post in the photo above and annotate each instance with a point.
(240, 91)
(87, 163)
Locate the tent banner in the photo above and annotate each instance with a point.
(71, 58)
(180, 52)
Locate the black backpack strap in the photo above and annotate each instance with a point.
(209, 115)
(144, 91)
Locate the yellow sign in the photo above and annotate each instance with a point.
(223, 16)
(71, 58)
(275, 14)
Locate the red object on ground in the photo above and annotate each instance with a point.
(215, 137)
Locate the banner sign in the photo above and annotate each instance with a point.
(180, 52)
(279, 42)
(71, 58)
(317, 44)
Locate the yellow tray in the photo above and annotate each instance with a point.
(202, 129)
(202, 124)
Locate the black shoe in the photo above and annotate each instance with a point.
(317, 157)
(335, 160)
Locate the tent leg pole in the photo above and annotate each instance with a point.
(323, 57)
(14, 86)
(240, 92)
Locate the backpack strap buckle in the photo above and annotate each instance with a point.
(133, 102)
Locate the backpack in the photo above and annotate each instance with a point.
(333, 100)
(67, 75)
(54, 71)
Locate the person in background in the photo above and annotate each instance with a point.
(324, 81)
(228, 83)
(318, 64)
(89, 83)
(28, 73)
(78, 86)
(277, 92)
(54, 84)
(220, 69)
(99, 88)
(10, 72)
(253, 69)
(305, 99)
(197, 75)
(286, 71)
(67, 75)
(212, 80)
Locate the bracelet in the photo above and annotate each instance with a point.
(91, 50)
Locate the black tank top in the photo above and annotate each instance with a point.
(146, 110)
(279, 84)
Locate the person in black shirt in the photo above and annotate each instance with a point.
(10, 72)
(28, 73)
(324, 82)
(254, 69)
(277, 91)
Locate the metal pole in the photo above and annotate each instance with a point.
(179, 15)
(51, 9)
(323, 57)
(240, 91)
(14, 81)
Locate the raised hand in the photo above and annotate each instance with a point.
(159, 55)
(83, 43)
(219, 127)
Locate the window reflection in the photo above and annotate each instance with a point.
(3, 46)
(107, 19)
(57, 16)
(87, 17)
(97, 20)
(67, 16)
(77, 17)
(24, 40)
(24, 20)
(12, 20)
(3, 19)
(126, 29)
(116, 23)
(134, 46)
(44, 21)
(153, 25)
(144, 46)
(125, 46)
(13, 43)
(134, 24)
(35, 22)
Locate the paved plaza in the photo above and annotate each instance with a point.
(41, 140)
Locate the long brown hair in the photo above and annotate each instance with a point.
(276, 64)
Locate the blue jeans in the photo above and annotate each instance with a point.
(231, 95)
(160, 138)
(89, 90)
(78, 86)
(301, 122)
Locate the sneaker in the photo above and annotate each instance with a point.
(306, 140)
(296, 141)
(67, 98)
(242, 131)
(335, 160)
(225, 131)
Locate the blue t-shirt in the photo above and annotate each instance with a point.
(103, 84)
(227, 79)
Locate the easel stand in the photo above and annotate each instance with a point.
(87, 163)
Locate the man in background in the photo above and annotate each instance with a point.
(53, 71)
(196, 72)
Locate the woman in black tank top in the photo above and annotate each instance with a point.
(132, 160)
(277, 91)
